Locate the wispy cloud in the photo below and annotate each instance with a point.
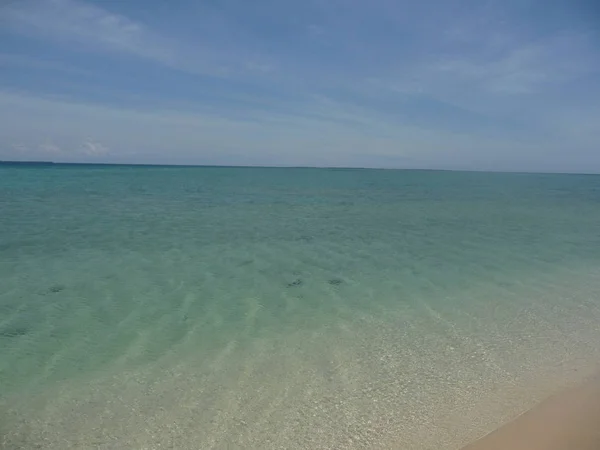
(428, 84)
(59, 148)
(335, 135)
(84, 24)
(524, 67)
(94, 148)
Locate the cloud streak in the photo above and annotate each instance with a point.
(524, 68)
(339, 82)
(85, 24)
(93, 148)
(336, 136)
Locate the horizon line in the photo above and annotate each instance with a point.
(183, 165)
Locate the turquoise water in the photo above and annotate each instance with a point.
(250, 293)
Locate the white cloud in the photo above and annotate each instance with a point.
(524, 68)
(83, 23)
(94, 148)
(398, 84)
(526, 83)
(334, 134)
(49, 148)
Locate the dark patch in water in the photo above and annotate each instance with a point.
(335, 281)
(14, 332)
(246, 262)
(56, 288)
(297, 282)
(305, 238)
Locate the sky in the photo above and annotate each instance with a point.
(475, 85)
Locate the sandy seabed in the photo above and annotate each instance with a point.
(419, 378)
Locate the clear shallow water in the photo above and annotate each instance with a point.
(236, 301)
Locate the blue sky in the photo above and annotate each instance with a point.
(501, 85)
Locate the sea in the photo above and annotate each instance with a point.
(150, 307)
